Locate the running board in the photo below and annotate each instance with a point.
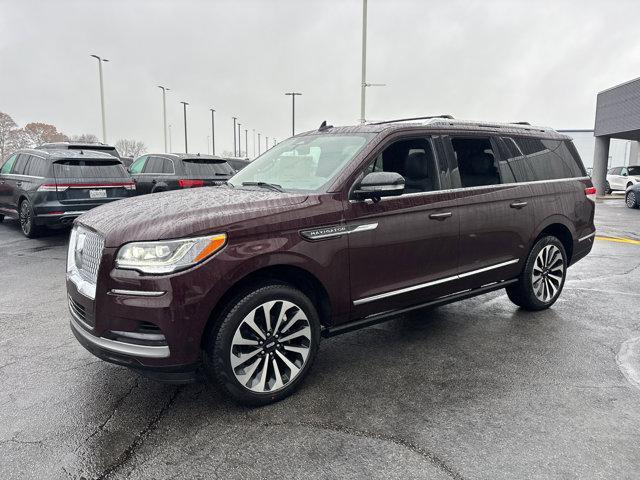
(385, 316)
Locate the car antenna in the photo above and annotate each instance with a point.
(324, 126)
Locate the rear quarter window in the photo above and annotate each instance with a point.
(74, 168)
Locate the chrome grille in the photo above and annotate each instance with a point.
(89, 254)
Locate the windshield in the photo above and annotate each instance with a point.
(303, 163)
(207, 167)
(634, 170)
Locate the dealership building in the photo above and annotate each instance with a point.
(617, 123)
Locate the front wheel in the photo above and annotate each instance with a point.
(632, 200)
(607, 189)
(265, 345)
(1, 218)
(543, 276)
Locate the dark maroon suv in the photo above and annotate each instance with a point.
(329, 231)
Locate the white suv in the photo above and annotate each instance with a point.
(621, 178)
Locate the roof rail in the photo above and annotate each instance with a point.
(520, 123)
(412, 118)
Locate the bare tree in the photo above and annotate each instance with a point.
(44, 133)
(7, 125)
(18, 138)
(130, 148)
(85, 138)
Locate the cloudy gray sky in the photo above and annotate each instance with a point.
(506, 60)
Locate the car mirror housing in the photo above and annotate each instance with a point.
(379, 184)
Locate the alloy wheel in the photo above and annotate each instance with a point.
(25, 218)
(631, 200)
(270, 346)
(548, 273)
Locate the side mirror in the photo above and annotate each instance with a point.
(625, 174)
(379, 184)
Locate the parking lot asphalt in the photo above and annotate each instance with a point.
(473, 390)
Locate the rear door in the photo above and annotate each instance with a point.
(404, 250)
(496, 216)
(135, 170)
(207, 171)
(17, 180)
(91, 181)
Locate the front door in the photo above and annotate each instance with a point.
(403, 250)
(6, 187)
(139, 178)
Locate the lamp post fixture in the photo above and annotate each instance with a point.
(213, 133)
(104, 122)
(293, 111)
(186, 145)
(164, 113)
(234, 135)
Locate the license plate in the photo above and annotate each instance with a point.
(98, 193)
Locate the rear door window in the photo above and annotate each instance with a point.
(476, 159)
(37, 167)
(207, 167)
(20, 167)
(154, 165)
(74, 168)
(167, 166)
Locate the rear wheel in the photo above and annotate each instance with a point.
(265, 345)
(543, 276)
(607, 189)
(27, 220)
(1, 218)
(632, 200)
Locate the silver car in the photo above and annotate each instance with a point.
(621, 178)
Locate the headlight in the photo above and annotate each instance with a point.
(168, 256)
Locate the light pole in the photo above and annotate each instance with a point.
(293, 111)
(239, 141)
(266, 143)
(104, 123)
(170, 147)
(186, 145)
(274, 142)
(246, 143)
(234, 135)
(213, 133)
(258, 144)
(364, 84)
(254, 143)
(208, 138)
(164, 113)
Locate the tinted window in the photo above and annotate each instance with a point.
(206, 167)
(20, 166)
(546, 159)
(476, 161)
(167, 166)
(6, 168)
(633, 171)
(138, 165)
(154, 165)
(37, 167)
(89, 169)
(414, 160)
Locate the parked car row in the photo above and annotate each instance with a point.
(52, 185)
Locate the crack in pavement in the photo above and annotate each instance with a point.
(126, 455)
(117, 404)
(434, 459)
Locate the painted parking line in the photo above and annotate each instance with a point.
(618, 240)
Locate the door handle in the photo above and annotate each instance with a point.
(518, 205)
(440, 216)
(154, 181)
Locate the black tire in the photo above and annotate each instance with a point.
(220, 346)
(607, 189)
(1, 218)
(158, 190)
(629, 185)
(27, 220)
(539, 295)
(631, 200)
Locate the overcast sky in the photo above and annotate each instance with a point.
(509, 60)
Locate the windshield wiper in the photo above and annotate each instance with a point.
(270, 186)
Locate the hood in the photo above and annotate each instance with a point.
(183, 213)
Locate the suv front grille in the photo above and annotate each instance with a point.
(89, 254)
